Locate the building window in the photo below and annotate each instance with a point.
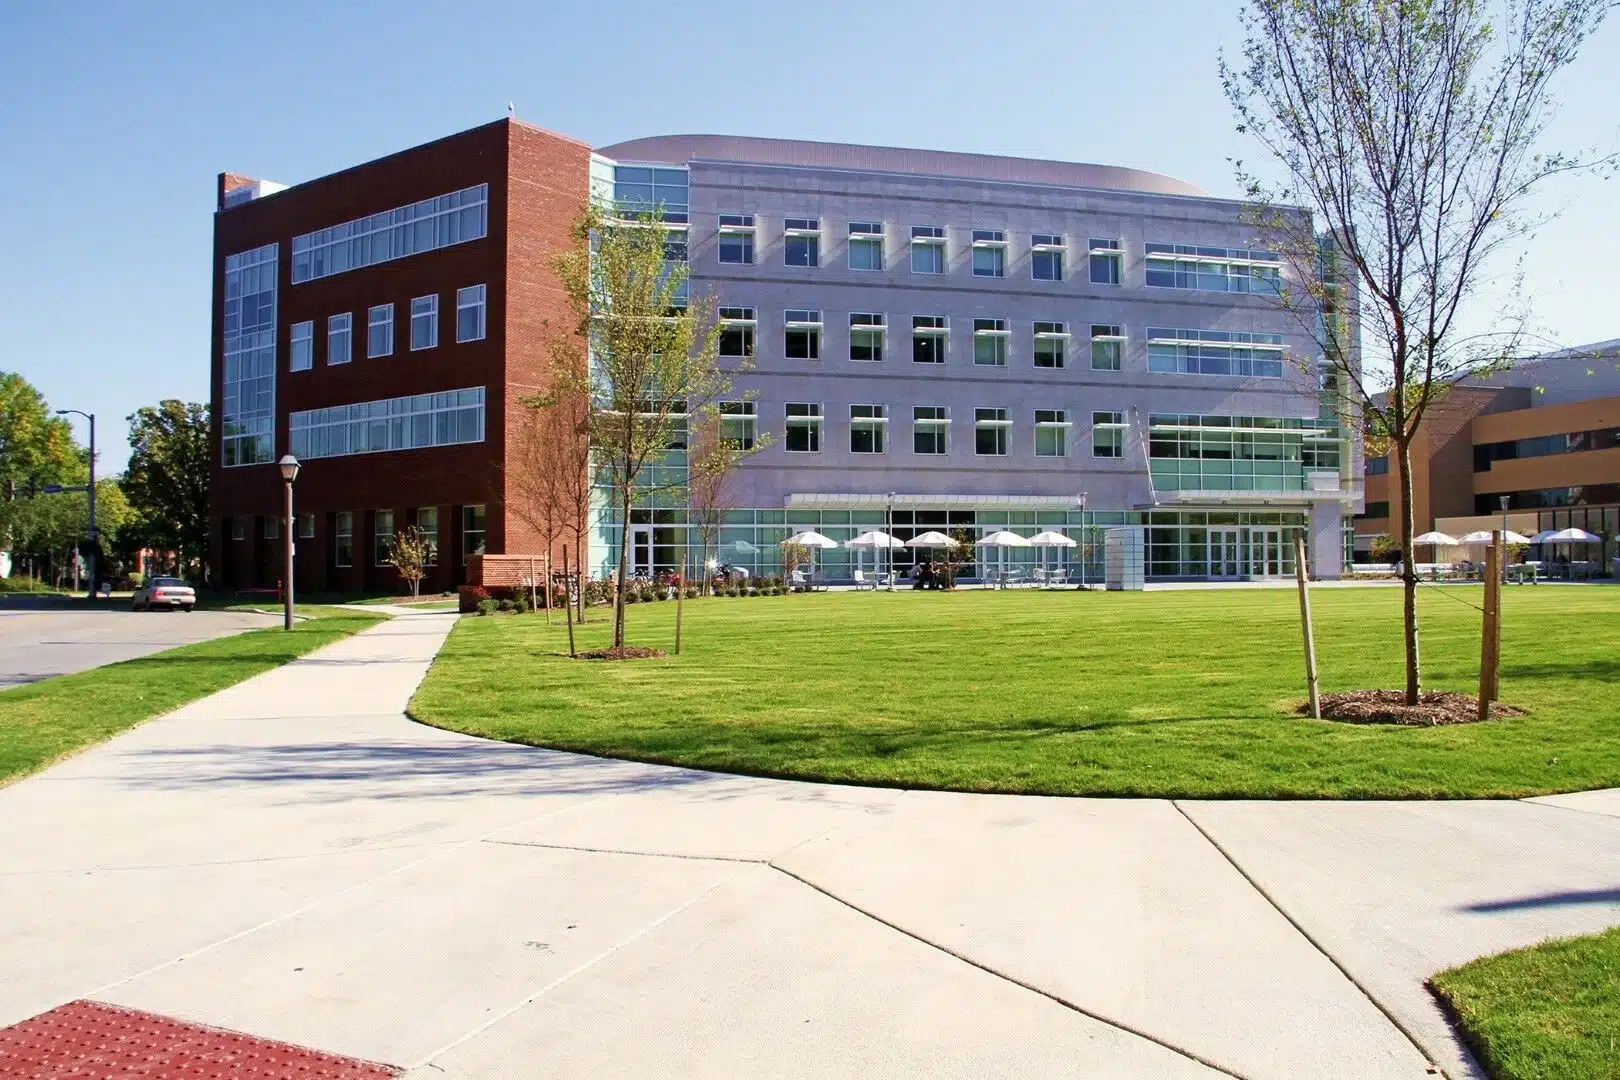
(865, 336)
(1213, 269)
(470, 313)
(1105, 257)
(1051, 433)
(1377, 510)
(343, 539)
(990, 342)
(1051, 344)
(802, 339)
(1378, 466)
(424, 322)
(1046, 257)
(990, 432)
(736, 331)
(447, 418)
(1108, 434)
(1215, 352)
(306, 526)
(472, 531)
(301, 346)
(989, 253)
(803, 428)
(737, 239)
(238, 528)
(248, 406)
(929, 337)
(393, 234)
(801, 242)
(339, 338)
(382, 548)
(272, 528)
(930, 429)
(866, 245)
(639, 190)
(380, 331)
(1107, 347)
(867, 425)
(737, 420)
(427, 522)
(927, 249)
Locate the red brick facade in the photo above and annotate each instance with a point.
(537, 188)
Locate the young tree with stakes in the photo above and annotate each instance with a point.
(644, 357)
(1410, 133)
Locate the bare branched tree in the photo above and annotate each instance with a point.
(1410, 131)
(412, 552)
(650, 367)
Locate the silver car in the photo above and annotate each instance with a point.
(163, 592)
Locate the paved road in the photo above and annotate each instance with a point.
(295, 859)
(39, 639)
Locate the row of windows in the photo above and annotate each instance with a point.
(247, 410)
(404, 423)
(1572, 442)
(930, 430)
(1190, 352)
(393, 234)
(424, 329)
(427, 520)
(1169, 266)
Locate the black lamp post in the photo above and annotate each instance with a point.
(289, 472)
(94, 534)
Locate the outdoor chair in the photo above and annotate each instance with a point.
(1057, 577)
(1039, 576)
(798, 580)
(864, 582)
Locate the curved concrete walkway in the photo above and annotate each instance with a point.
(294, 858)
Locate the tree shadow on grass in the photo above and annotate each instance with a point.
(1602, 669)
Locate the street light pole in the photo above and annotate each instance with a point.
(90, 561)
(289, 472)
(1085, 540)
(888, 527)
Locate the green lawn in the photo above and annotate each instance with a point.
(1551, 1012)
(44, 721)
(1159, 693)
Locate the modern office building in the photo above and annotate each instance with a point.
(937, 340)
(1544, 435)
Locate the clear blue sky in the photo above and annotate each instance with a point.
(114, 120)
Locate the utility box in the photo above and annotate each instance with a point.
(1124, 554)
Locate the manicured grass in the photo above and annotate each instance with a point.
(1551, 1012)
(45, 721)
(1185, 693)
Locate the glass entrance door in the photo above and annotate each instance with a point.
(1225, 554)
(641, 550)
(1266, 553)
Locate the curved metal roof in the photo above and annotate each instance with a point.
(676, 149)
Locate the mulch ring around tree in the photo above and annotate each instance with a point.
(1434, 709)
(623, 652)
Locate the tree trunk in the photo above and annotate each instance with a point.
(1409, 581)
(624, 551)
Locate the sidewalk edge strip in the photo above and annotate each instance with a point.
(1057, 999)
(1417, 1043)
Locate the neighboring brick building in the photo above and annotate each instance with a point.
(436, 314)
(1545, 434)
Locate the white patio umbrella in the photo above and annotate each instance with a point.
(1051, 539)
(1438, 538)
(811, 539)
(876, 540)
(1571, 535)
(1483, 536)
(930, 540)
(1002, 540)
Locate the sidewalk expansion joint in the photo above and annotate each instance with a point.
(1389, 1014)
(631, 851)
(1049, 995)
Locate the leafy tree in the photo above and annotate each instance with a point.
(167, 478)
(643, 356)
(412, 552)
(1409, 131)
(794, 555)
(54, 525)
(36, 448)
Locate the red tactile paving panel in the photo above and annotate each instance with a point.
(86, 1040)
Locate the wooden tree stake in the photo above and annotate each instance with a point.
(1302, 579)
(570, 622)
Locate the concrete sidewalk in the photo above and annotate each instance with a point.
(295, 859)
